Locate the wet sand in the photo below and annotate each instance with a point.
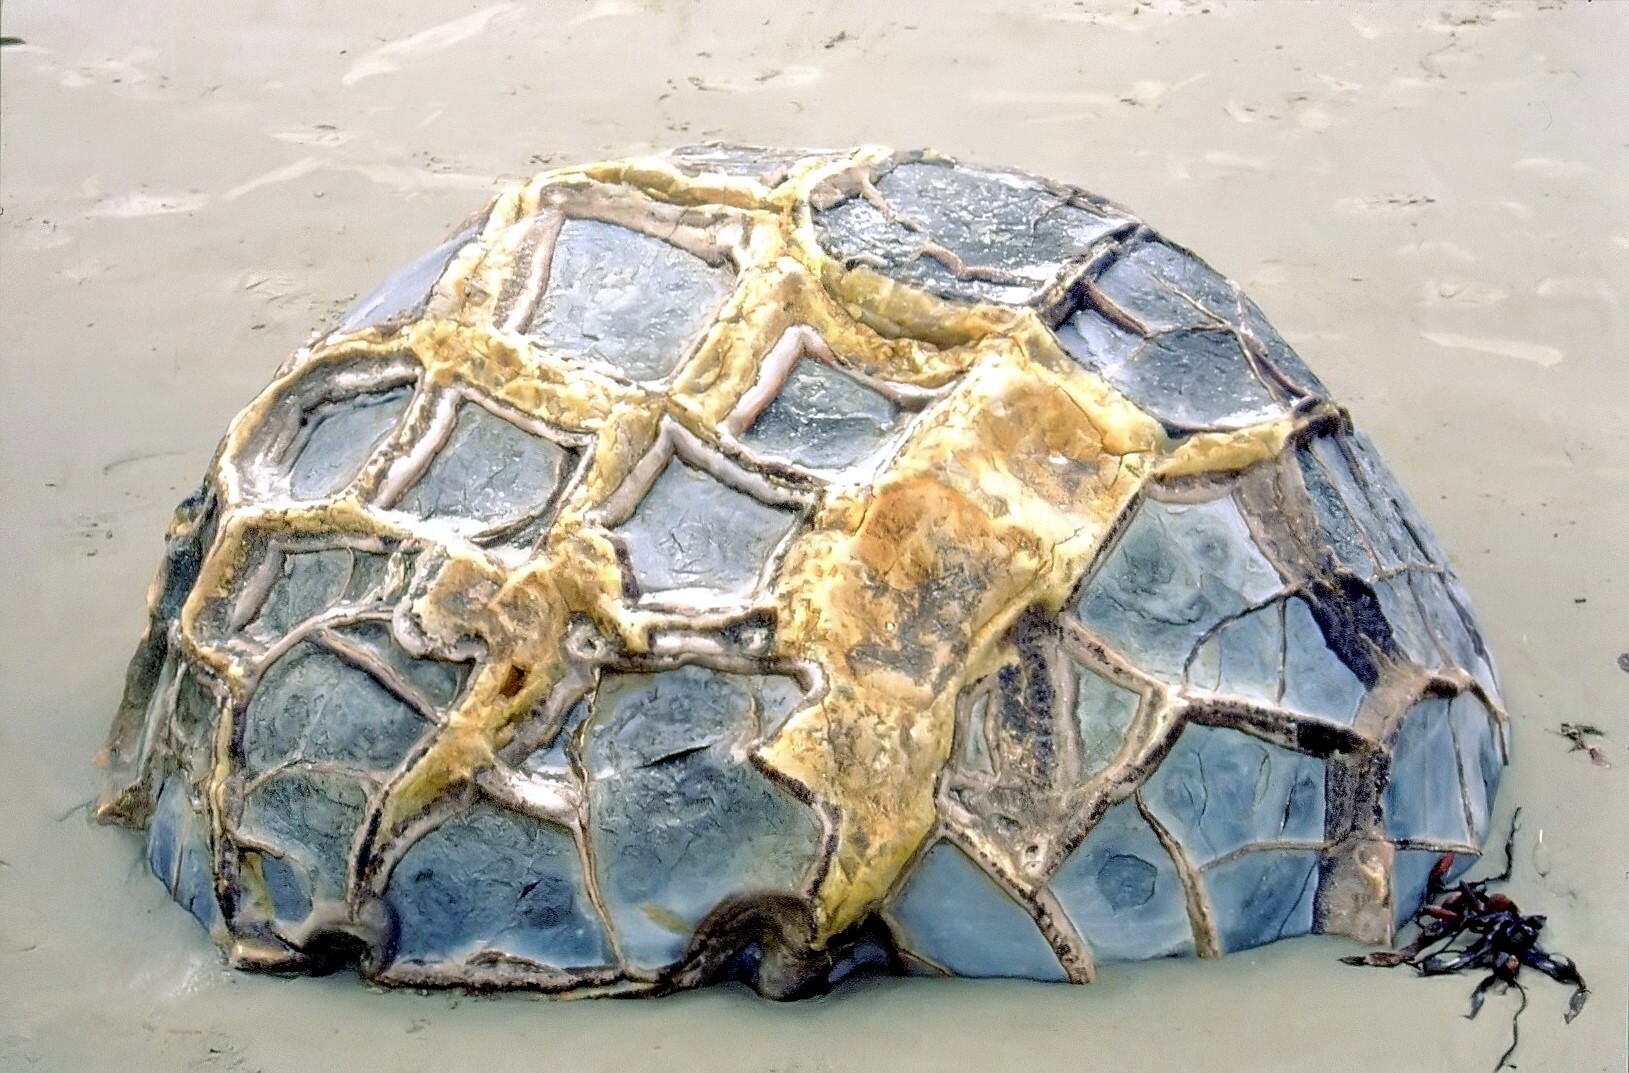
(1429, 200)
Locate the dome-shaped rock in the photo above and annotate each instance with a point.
(764, 564)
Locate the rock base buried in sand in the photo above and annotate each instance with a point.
(761, 565)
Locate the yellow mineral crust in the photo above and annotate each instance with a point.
(898, 590)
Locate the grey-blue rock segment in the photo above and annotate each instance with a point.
(1477, 738)
(1315, 681)
(1425, 799)
(627, 299)
(1262, 896)
(822, 419)
(315, 705)
(1178, 572)
(310, 816)
(489, 471)
(740, 161)
(1011, 234)
(178, 852)
(495, 882)
(1103, 714)
(404, 293)
(342, 435)
(1220, 790)
(679, 819)
(1180, 340)
(307, 582)
(953, 916)
(1189, 379)
(430, 683)
(1122, 891)
(692, 531)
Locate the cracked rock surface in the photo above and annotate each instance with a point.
(769, 565)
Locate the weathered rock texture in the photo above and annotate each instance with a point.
(764, 565)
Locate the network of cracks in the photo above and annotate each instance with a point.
(1266, 687)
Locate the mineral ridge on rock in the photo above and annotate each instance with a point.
(760, 565)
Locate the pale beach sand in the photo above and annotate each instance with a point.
(1428, 199)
